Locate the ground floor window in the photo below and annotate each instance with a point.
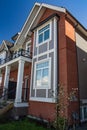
(83, 113)
(42, 74)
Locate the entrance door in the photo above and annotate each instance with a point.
(12, 89)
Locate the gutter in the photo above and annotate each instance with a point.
(76, 23)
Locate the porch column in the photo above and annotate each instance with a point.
(7, 74)
(19, 81)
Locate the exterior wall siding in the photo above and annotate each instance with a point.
(81, 45)
(42, 110)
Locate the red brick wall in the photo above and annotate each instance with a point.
(72, 72)
(62, 52)
(45, 107)
(42, 110)
(67, 72)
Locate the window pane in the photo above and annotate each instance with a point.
(41, 65)
(38, 78)
(41, 38)
(38, 66)
(28, 48)
(43, 29)
(80, 113)
(43, 34)
(42, 74)
(85, 112)
(46, 35)
(45, 74)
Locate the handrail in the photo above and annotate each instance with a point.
(25, 94)
(4, 94)
(17, 54)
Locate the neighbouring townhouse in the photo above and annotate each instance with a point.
(49, 52)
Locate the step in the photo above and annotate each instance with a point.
(9, 105)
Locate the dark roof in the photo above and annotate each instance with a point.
(15, 36)
(8, 44)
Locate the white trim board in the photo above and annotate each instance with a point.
(16, 60)
(51, 100)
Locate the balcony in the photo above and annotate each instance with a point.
(23, 53)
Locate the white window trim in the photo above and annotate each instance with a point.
(49, 84)
(29, 42)
(39, 44)
(39, 99)
(83, 119)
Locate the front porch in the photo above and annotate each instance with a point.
(16, 81)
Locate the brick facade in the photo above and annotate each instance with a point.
(67, 65)
(67, 68)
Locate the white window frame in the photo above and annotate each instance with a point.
(49, 83)
(39, 28)
(82, 110)
(28, 43)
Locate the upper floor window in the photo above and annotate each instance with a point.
(28, 46)
(44, 34)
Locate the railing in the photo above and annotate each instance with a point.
(17, 54)
(5, 94)
(25, 94)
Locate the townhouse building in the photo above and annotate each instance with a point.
(49, 52)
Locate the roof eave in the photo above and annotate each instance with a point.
(77, 24)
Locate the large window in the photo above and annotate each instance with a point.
(42, 74)
(44, 34)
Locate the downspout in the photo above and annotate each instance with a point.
(57, 59)
(77, 71)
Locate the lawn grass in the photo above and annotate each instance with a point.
(21, 125)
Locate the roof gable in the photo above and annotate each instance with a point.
(33, 18)
(35, 15)
(5, 45)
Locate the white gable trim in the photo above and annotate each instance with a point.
(26, 22)
(60, 9)
(5, 44)
(39, 5)
(45, 6)
(33, 20)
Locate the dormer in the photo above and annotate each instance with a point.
(5, 50)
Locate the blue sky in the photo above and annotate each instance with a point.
(13, 13)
